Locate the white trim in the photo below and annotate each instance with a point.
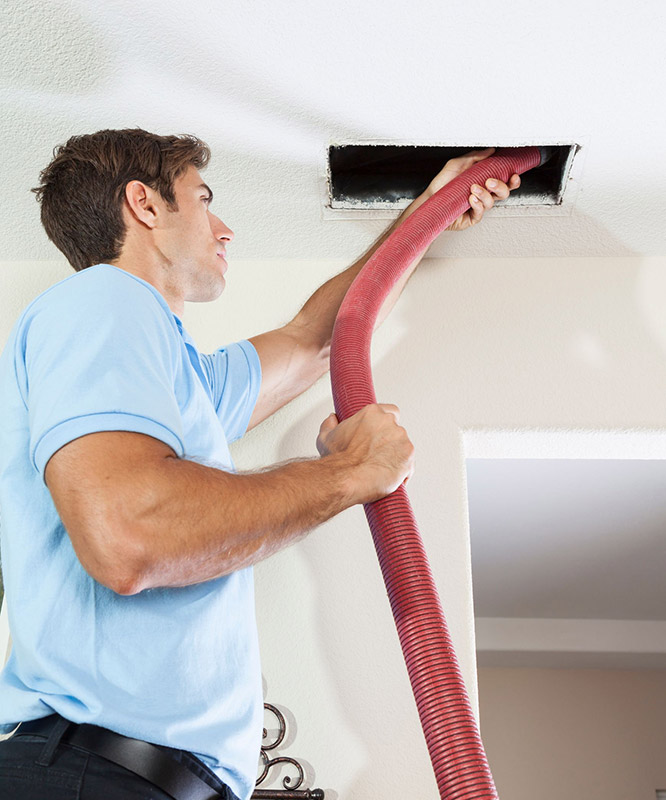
(571, 643)
(562, 443)
(571, 635)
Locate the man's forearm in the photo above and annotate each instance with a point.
(319, 312)
(197, 523)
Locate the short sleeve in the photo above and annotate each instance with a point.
(99, 355)
(234, 374)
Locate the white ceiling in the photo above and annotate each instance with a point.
(270, 86)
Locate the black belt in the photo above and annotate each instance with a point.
(143, 758)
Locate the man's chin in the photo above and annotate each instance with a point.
(209, 292)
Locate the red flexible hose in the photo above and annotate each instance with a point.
(453, 740)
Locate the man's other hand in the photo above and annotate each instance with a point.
(376, 450)
(481, 198)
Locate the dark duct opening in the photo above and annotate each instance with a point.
(377, 176)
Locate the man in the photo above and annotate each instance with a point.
(127, 538)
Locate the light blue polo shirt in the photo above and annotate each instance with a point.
(99, 351)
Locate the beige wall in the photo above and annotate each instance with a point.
(486, 358)
(564, 734)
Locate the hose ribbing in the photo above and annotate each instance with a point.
(450, 729)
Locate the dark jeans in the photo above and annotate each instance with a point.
(74, 774)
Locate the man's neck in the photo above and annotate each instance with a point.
(155, 276)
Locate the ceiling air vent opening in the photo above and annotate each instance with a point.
(390, 176)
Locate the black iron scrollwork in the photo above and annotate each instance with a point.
(291, 790)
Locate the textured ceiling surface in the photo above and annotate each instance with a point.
(270, 86)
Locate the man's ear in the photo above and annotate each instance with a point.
(143, 202)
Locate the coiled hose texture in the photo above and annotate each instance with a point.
(450, 729)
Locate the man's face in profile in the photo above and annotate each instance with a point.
(194, 240)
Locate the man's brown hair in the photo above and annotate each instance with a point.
(82, 190)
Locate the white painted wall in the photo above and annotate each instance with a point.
(499, 357)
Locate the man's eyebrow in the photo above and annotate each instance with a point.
(210, 191)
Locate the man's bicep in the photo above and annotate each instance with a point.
(97, 482)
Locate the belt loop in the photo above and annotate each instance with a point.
(55, 735)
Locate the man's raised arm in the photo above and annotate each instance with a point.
(295, 356)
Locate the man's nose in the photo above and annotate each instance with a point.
(220, 230)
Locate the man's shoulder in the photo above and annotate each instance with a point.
(100, 304)
(98, 292)
(102, 284)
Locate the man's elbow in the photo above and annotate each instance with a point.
(126, 583)
(118, 563)
(122, 585)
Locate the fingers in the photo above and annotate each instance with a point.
(477, 207)
(472, 157)
(500, 189)
(454, 166)
(328, 424)
(325, 428)
(479, 155)
(458, 165)
(409, 475)
(483, 199)
(390, 409)
(373, 408)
